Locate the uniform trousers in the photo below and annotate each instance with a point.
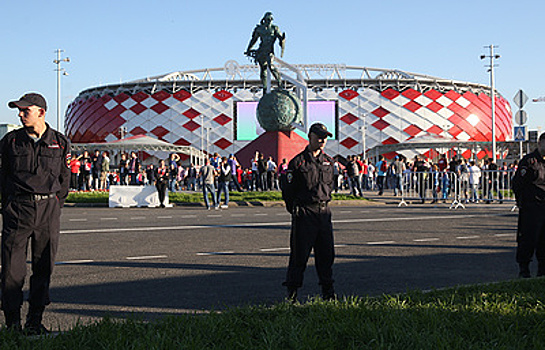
(531, 234)
(311, 228)
(37, 222)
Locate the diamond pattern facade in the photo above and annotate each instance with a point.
(207, 116)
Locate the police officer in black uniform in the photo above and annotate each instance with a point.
(34, 180)
(307, 192)
(529, 188)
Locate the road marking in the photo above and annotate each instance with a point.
(104, 219)
(345, 211)
(73, 262)
(77, 219)
(261, 224)
(238, 215)
(467, 237)
(261, 214)
(282, 214)
(274, 249)
(426, 239)
(146, 257)
(379, 243)
(216, 253)
(214, 215)
(138, 217)
(164, 217)
(504, 235)
(188, 216)
(340, 245)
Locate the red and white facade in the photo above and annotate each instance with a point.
(378, 106)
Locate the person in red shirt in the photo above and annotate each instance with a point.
(442, 163)
(75, 164)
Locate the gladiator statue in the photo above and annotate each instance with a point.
(263, 55)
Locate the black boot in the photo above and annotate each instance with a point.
(524, 270)
(328, 293)
(540, 268)
(33, 325)
(13, 320)
(292, 295)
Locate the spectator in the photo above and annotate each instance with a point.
(85, 171)
(104, 170)
(382, 167)
(207, 174)
(474, 180)
(96, 169)
(75, 165)
(192, 178)
(161, 181)
(134, 169)
(223, 182)
(123, 169)
(271, 174)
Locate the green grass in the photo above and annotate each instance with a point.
(193, 197)
(508, 315)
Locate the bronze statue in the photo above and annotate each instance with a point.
(268, 33)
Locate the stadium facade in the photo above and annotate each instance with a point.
(212, 109)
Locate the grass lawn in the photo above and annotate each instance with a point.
(507, 315)
(192, 197)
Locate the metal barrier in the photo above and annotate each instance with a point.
(456, 188)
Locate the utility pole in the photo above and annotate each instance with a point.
(59, 69)
(492, 56)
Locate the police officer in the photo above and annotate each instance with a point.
(34, 180)
(529, 188)
(307, 192)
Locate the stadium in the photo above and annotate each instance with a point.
(213, 110)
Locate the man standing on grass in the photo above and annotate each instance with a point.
(307, 192)
(34, 181)
(207, 175)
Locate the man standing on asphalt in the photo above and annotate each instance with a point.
(529, 188)
(34, 180)
(307, 192)
(207, 175)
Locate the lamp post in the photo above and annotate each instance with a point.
(492, 56)
(363, 130)
(59, 69)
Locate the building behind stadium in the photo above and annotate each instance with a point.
(214, 110)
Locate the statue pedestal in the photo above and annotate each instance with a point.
(278, 144)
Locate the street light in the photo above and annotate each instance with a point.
(491, 66)
(59, 69)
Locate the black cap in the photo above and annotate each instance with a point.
(320, 130)
(30, 99)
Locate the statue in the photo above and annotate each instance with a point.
(268, 33)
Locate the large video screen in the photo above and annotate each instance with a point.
(248, 128)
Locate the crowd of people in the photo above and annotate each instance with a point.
(435, 180)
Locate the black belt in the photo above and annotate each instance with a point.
(316, 205)
(29, 197)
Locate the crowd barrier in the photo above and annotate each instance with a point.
(458, 189)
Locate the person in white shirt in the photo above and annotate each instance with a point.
(474, 180)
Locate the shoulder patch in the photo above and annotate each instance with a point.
(68, 159)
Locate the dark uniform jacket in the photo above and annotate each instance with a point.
(308, 180)
(29, 167)
(529, 180)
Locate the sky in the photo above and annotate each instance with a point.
(117, 41)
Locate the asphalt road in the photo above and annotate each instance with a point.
(154, 262)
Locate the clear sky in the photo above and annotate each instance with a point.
(113, 41)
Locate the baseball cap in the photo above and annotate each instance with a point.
(30, 99)
(320, 130)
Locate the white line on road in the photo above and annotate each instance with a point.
(188, 216)
(164, 217)
(273, 249)
(467, 237)
(261, 224)
(104, 219)
(345, 211)
(77, 219)
(214, 215)
(216, 253)
(146, 257)
(237, 215)
(138, 217)
(261, 214)
(504, 235)
(282, 214)
(379, 243)
(71, 262)
(426, 239)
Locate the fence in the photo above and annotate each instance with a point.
(458, 189)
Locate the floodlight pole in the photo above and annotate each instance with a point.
(492, 57)
(58, 62)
